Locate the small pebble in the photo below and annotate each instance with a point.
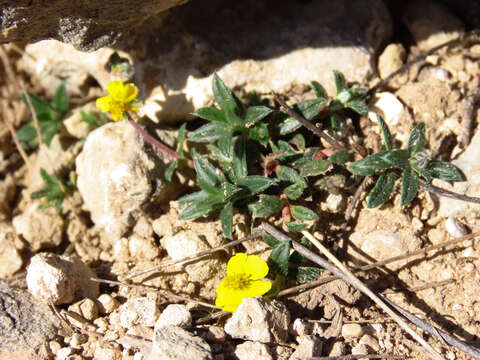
(359, 349)
(455, 228)
(64, 352)
(107, 304)
(352, 330)
(107, 354)
(370, 341)
(85, 308)
(138, 311)
(102, 324)
(175, 314)
(300, 327)
(78, 339)
(216, 334)
(54, 346)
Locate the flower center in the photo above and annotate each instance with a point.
(238, 281)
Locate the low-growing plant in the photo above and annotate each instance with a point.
(54, 191)
(49, 116)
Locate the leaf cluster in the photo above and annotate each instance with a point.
(412, 163)
(53, 192)
(49, 115)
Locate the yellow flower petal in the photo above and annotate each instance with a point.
(256, 267)
(104, 103)
(236, 264)
(130, 93)
(116, 91)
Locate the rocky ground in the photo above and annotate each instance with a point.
(123, 216)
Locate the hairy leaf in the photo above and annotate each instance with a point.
(255, 114)
(294, 191)
(224, 96)
(358, 106)
(226, 219)
(259, 133)
(380, 161)
(315, 167)
(339, 80)
(340, 157)
(60, 100)
(278, 260)
(286, 173)
(239, 161)
(296, 226)
(265, 206)
(208, 177)
(445, 171)
(319, 90)
(302, 213)
(211, 114)
(288, 126)
(306, 274)
(382, 190)
(255, 183)
(170, 169)
(416, 141)
(409, 186)
(210, 132)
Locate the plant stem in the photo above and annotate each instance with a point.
(151, 140)
(448, 193)
(336, 144)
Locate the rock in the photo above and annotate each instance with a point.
(392, 109)
(9, 256)
(335, 202)
(138, 311)
(301, 327)
(74, 123)
(186, 243)
(78, 339)
(435, 29)
(50, 61)
(107, 304)
(60, 279)
(352, 330)
(84, 25)
(118, 175)
(318, 37)
(308, 346)
(257, 319)
(370, 341)
(173, 343)
(141, 248)
(64, 353)
(216, 334)
(468, 163)
(383, 244)
(42, 229)
(25, 324)
(104, 353)
(391, 59)
(175, 314)
(85, 308)
(252, 350)
(455, 228)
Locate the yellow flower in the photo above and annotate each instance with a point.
(243, 280)
(121, 98)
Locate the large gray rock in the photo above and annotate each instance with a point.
(283, 51)
(118, 175)
(25, 324)
(88, 25)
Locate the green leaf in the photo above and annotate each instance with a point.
(259, 133)
(315, 167)
(340, 157)
(335, 120)
(278, 259)
(294, 191)
(195, 210)
(409, 186)
(302, 213)
(307, 273)
(416, 141)
(181, 139)
(288, 174)
(224, 96)
(344, 96)
(358, 106)
(288, 126)
(311, 108)
(319, 90)
(170, 169)
(421, 171)
(60, 100)
(255, 114)
(239, 161)
(27, 135)
(270, 240)
(339, 81)
(42, 108)
(387, 137)
(49, 129)
(445, 171)
(226, 218)
(265, 206)
(52, 192)
(255, 183)
(209, 132)
(380, 161)
(211, 114)
(228, 190)
(207, 177)
(382, 190)
(296, 226)
(299, 141)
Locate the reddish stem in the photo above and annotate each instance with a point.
(162, 147)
